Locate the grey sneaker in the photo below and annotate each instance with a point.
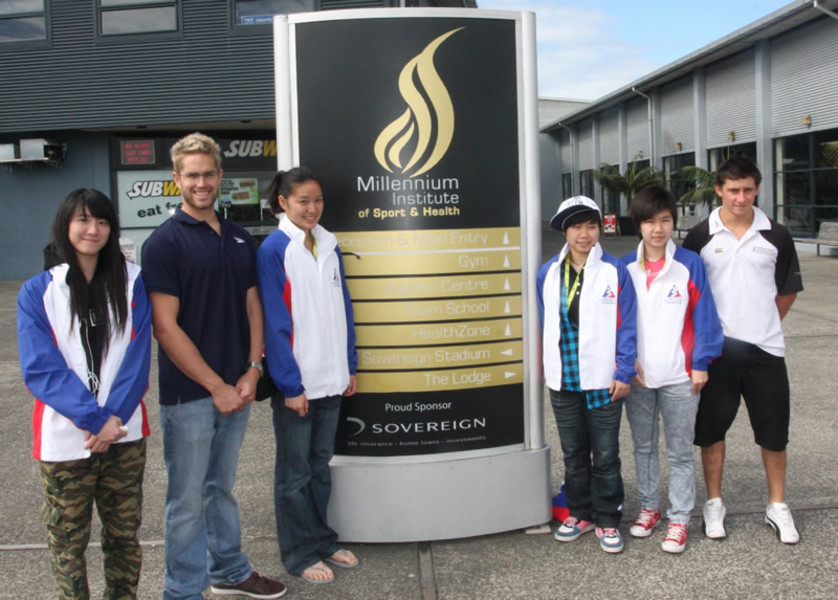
(779, 517)
(714, 519)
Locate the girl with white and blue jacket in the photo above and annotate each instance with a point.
(84, 338)
(310, 349)
(587, 308)
(678, 335)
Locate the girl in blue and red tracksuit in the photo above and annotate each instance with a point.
(84, 337)
(586, 302)
(310, 349)
(678, 335)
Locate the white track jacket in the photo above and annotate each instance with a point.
(678, 329)
(54, 367)
(309, 326)
(607, 329)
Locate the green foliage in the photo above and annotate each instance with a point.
(628, 183)
(702, 186)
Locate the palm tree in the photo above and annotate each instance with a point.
(634, 179)
(704, 182)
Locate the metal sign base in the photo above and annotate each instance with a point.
(423, 501)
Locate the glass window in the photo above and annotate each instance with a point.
(610, 202)
(261, 12)
(826, 149)
(806, 175)
(718, 155)
(22, 21)
(567, 185)
(242, 197)
(127, 17)
(792, 153)
(586, 183)
(671, 166)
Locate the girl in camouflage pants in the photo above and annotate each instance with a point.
(84, 338)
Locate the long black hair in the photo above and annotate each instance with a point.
(108, 285)
(284, 182)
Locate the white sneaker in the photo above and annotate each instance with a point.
(779, 517)
(714, 519)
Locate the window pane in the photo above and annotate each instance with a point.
(123, 2)
(567, 185)
(586, 183)
(826, 146)
(139, 20)
(17, 7)
(22, 30)
(256, 12)
(793, 153)
(794, 193)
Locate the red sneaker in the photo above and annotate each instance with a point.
(676, 538)
(645, 522)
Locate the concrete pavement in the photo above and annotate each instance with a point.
(751, 563)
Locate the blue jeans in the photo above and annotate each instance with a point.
(678, 405)
(302, 482)
(590, 440)
(203, 536)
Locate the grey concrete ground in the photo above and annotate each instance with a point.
(751, 563)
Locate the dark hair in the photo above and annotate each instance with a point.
(649, 201)
(585, 216)
(107, 288)
(284, 182)
(737, 167)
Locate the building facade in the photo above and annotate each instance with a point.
(94, 92)
(768, 91)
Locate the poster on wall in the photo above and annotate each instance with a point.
(236, 191)
(419, 156)
(146, 198)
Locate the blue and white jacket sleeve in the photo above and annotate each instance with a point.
(352, 354)
(626, 326)
(131, 382)
(275, 291)
(707, 327)
(45, 371)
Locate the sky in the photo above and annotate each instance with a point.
(589, 48)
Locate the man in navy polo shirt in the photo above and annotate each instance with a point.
(755, 277)
(200, 271)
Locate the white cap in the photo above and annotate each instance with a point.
(573, 206)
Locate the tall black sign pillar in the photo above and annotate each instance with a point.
(423, 125)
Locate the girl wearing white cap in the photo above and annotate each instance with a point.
(587, 307)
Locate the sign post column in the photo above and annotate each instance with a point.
(418, 122)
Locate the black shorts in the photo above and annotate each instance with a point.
(761, 378)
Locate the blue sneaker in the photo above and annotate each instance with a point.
(610, 539)
(571, 529)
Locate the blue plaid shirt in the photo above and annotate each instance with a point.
(569, 347)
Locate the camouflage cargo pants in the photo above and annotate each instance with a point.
(113, 480)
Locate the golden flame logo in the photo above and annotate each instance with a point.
(428, 115)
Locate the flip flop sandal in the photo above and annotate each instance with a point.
(343, 554)
(320, 568)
